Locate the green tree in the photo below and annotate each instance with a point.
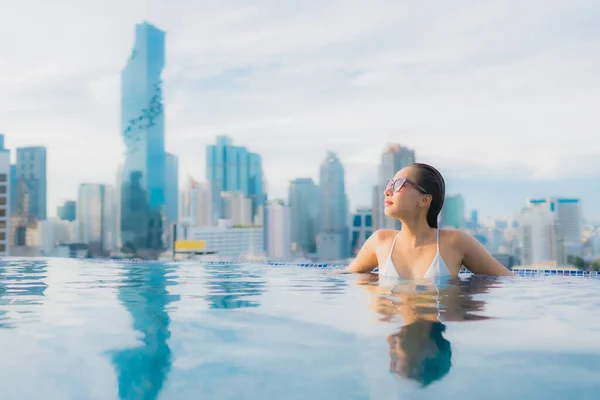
(596, 265)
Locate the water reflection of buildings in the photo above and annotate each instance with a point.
(142, 370)
(232, 287)
(21, 283)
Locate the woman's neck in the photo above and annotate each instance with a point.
(416, 233)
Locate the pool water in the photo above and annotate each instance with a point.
(74, 329)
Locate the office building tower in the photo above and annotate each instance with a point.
(67, 211)
(237, 208)
(539, 237)
(172, 188)
(196, 204)
(232, 168)
(279, 230)
(362, 228)
(453, 212)
(569, 221)
(31, 183)
(304, 201)
(96, 217)
(332, 241)
(143, 175)
(5, 199)
(394, 158)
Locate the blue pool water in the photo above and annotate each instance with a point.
(106, 330)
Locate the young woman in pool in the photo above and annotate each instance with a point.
(420, 250)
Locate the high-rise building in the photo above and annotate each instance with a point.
(5, 199)
(237, 208)
(196, 204)
(568, 219)
(278, 230)
(172, 188)
(31, 183)
(13, 192)
(232, 168)
(394, 158)
(362, 228)
(96, 217)
(453, 212)
(539, 237)
(67, 211)
(304, 201)
(332, 241)
(143, 176)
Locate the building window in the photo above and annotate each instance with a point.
(2, 235)
(2, 201)
(2, 177)
(368, 220)
(2, 189)
(2, 248)
(2, 225)
(357, 221)
(2, 212)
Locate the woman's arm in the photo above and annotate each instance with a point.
(477, 259)
(366, 259)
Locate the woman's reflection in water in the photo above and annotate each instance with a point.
(418, 350)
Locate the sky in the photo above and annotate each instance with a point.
(501, 96)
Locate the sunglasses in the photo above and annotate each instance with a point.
(397, 184)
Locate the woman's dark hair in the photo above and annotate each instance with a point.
(431, 358)
(433, 182)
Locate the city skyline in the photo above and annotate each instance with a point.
(468, 102)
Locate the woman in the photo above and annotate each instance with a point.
(420, 250)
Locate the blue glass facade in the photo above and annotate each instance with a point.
(172, 187)
(68, 211)
(31, 182)
(232, 168)
(303, 199)
(143, 178)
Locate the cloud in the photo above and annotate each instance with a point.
(480, 89)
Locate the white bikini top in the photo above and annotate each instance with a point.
(437, 269)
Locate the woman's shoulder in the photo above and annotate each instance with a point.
(455, 236)
(384, 235)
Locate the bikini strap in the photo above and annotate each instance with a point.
(393, 243)
(437, 239)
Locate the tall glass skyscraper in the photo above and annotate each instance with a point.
(142, 126)
(31, 182)
(232, 168)
(304, 202)
(172, 188)
(332, 241)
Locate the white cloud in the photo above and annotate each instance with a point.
(497, 88)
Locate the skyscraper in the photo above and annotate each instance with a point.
(96, 217)
(278, 230)
(453, 212)
(196, 204)
(567, 212)
(539, 237)
(394, 158)
(304, 202)
(31, 182)
(172, 187)
(332, 240)
(362, 228)
(144, 174)
(232, 168)
(5, 198)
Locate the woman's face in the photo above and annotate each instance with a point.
(402, 194)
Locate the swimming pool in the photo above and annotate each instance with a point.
(74, 329)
